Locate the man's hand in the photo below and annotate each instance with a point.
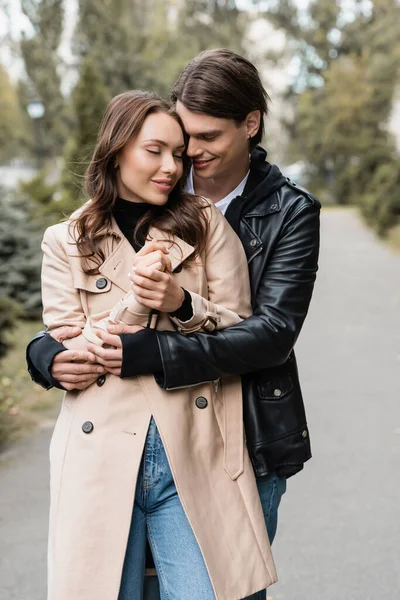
(73, 370)
(76, 370)
(109, 354)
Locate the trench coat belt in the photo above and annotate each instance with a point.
(233, 427)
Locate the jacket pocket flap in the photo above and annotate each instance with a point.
(276, 388)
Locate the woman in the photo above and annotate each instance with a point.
(176, 458)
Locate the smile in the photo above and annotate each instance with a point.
(164, 185)
(202, 164)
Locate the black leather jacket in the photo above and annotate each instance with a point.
(278, 224)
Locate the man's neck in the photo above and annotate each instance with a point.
(218, 188)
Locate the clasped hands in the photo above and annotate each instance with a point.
(154, 286)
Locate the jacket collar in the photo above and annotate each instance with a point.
(259, 196)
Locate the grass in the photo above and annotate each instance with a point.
(23, 404)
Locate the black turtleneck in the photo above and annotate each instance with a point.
(127, 214)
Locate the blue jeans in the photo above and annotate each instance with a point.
(158, 514)
(271, 489)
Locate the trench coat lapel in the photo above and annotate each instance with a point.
(179, 250)
(118, 264)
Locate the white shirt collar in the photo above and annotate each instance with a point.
(222, 204)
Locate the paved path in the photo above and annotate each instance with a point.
(339, 531)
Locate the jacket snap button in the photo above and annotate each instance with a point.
(101, 283)
(277, 393)
(201, 402)
(304, 433)
(101, 380)
(253, 243)
(274, 207)
(87, 427)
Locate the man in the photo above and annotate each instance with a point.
(222, 103)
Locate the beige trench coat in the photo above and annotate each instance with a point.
(93, 475)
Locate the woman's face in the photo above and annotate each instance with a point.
(150, 165)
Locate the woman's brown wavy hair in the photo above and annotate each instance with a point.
(183, 215)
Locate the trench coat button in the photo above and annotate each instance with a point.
(304, 433)
(101, 283)
(201, 402)
(277, 393)
(87, 427)
(253, 243)
(101, 380)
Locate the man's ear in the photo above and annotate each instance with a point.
(253, 123)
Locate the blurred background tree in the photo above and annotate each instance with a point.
(87, 119)
(41, 61)
(342, 96)
(20, 256)
(11, 129)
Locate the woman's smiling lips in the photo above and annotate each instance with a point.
(164, 185)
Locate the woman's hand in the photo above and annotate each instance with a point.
(154, 285)
(156, 290)
(109, 354)
(153, 254)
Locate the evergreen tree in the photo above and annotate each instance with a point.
(20, 256)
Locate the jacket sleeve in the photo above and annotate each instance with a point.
(226, 271)
(40, 353)
(266, 338)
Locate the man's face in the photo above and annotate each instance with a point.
(217, 147)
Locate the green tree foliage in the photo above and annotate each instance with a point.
(343, 94)
(128, 44)
(88, 115)
(381, 202)
(144, 45)
(10, 119)
(20, 256)
(41, 60)
(40, 199)
(9, 313)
